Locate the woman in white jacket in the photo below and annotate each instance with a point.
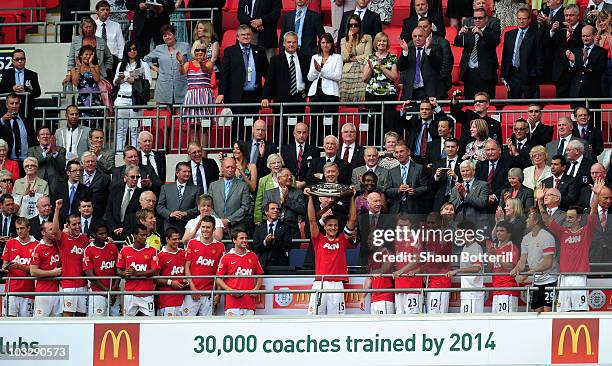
(325, 74)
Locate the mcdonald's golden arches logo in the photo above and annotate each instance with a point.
(575, 341)
(116, 344)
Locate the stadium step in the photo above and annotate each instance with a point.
(38, 36)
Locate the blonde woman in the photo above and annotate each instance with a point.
(535, 174)
(513, 213)
(388, 160)
(29, 189)
(275, 163)
(475, 150)
(205, 32)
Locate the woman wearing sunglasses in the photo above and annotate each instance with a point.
(354, 49)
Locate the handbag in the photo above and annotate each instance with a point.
(141, 91)
(105, 90)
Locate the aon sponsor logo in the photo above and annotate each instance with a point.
(107, 265)
(20, 260)
(329, 246)
(177, 270)
(244, 271)
(139, 267)
(76, 250)
(205, 262)
(54, 259)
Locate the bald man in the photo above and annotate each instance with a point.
(586, 196)
(315, 172)
(258, 148)
(367, 221)
(601, 249)
(587, 65)
(299, 154)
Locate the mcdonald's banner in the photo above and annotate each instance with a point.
(488, 339)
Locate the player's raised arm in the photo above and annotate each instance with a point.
(56, 221)
(352, 219)
(312, 216)
(596, 188)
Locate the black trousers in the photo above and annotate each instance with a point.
(149, 31)
(520, 88)
(316, 122)
(66, 7)
(239, 130)
(376, 127)
(474, 84)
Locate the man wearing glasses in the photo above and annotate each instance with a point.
(123, 201)
(539, 133)
(465, 116)
(21, 80)
(518, 145)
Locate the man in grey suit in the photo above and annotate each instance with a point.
(51, 158)
(407, 183)
(370, 156)
(178, 201)
(231, 197)
(291, 200)
(74, 137)
(551, 201)
(470, 198)
(105, 157)
(558, 147)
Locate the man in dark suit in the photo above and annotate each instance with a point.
(564, 130)
(588, 64)
(446, 173)
(272, 239)
(368, 221)
(21, 80)
(408, 183)
(262, 17)
(87, 217)
(259, 149)
(492, 22)
(578, 164)
(422, 129)
(177, 200)
(123, 201)
(97, 181)
(436, 148)
(562, 36)
(71, 192)
(522, 61)
(204, 171)
(518, 147)
(16, 131)
(595, 7)
(240, 79)
(370, 21)
(478, 66)
(282, 85)
(448, 60)
(561, 181)
(421, 62)
(43, 205)
(148, 179)
(315, 172)
(601, 248)
(8, 217)
(306, 23)
(493, 171)
(585, 129)
(155, 159)
(51, 158)
(465, 116)
(422, 11)
(350, 151)
(586, 196)
(291, 200)
(299, 155)
(148, 19)
(539, 133)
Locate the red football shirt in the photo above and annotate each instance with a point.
(508, 252)
(407, 252)
(575, 247)
(102, 260)
(19, 253)
(240, 265)
(204, 260)
(441, 264)
(170, 264)
(46, 257)
(144, 259)
(71, 251)
(381, 282)
(330, 257)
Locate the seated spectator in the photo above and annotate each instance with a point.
(371, 165)
(272, 239)
(204, 32)
(479, 132)
(516, 189)
(7, 165)
(43, 206)
(8, 216)
(518, 146)
(16, 131)
(566, 184)
(387, 157)
(291, 200)
(275, 163)
(465, 116)
(104, 156)
(171, 86)
(129, 70)
(178, 200)
(446, 173)
(155, 159)
(350, 151)
(88, 38)
(97, 180)
(579, 165)
(306, 23)
(205, 208)
(355, 47)
(231, 198)
(421, 129)
(564, 130)
(539, 170)
(370, 21)
(146, 218)
(51, 158)
(123, 200)
(111, 32)
(259, 147)
(87, 218)
(315, 172)
(539, 133)
(494, 171)
(74, 137)
(21, 80)
(550, 203)
(29, 189)
(422, 11)
(586, 130)
(204, 170)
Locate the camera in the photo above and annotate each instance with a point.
(15, 114)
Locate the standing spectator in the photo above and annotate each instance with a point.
(539, 169)
(171, 261)
(103, 58)
(478, 66)
(324, 74)
(508, 253)
(74, 137)
(522, 62)
(494, 171)
(122, 201)
(518, 146)
(475, 150)
(71, 192)
(177, 200)
(591, 13)
(216, 14)
(204, 32)
(18, 132)
(171, 86)
(290, 199)
(370, 21)
(66, 9)
(338, 8)
(586, 130)
(244, 64)
(97, 180)
(446, 173)
(198, 73)
(148, 20)
(465, 116)
(259, 148)
(566, 184)
(29, 189)
(587, 65)
(8, 165)
(147, 178)
(85, 77)
(299, 155)
(470, 198)
(421, 11)
(420, 130)
(21, 80)
(129, 70)
(562, 34)
(539, 133)
(105, 157)
(272, 239)
(178, 19)
(118, 13)
(51, 158)
(350, 151)
(111, 32)
(435, 149)
(407, 183)
(355, 48)
(604, 40)
(306, 24)
(422, 62)
(456, 10)
(270, 181)
(204, 170)
(231, 198)
(564, 130)
(578, 164)
(262, 17)
(154, 159)
(448, 60)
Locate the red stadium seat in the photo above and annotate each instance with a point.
(451, 33)
(547, 91)
(606, 117)
(158, 126)
(229, 39)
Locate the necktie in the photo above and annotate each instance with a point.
(404, 174)
(271, 229)
(17, 139)
(148, 159)
(557, 180)
(180, 192)
(299, 157)
(87, 181)
(31, 207)
(568, 36)
(467, 188)
(373, 221)
(125, 202)
(19, 79)
(550, 212)
(255, 152)
(519, 146)
(443, 151)
(245, 55)
(86, 226)
(298, 23)
(561, 147)
(359, 13)
(572, 171)
(474, 53)
(603, 218)
(329, 160)
(292, 74)
(71, 198)
(490, 177)
(104, 35)
(424, 133)
(228, 185)
(345, 156)
(417, 70)
(5, 232)
(199, 179)
(516, 58)
(583, 133)
(449, 180)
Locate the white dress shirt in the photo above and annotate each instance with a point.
(351, 151)
(143, 159)
(125, 88)
(114, 36)
(194, 175)
(298, 72)
(330, 73)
